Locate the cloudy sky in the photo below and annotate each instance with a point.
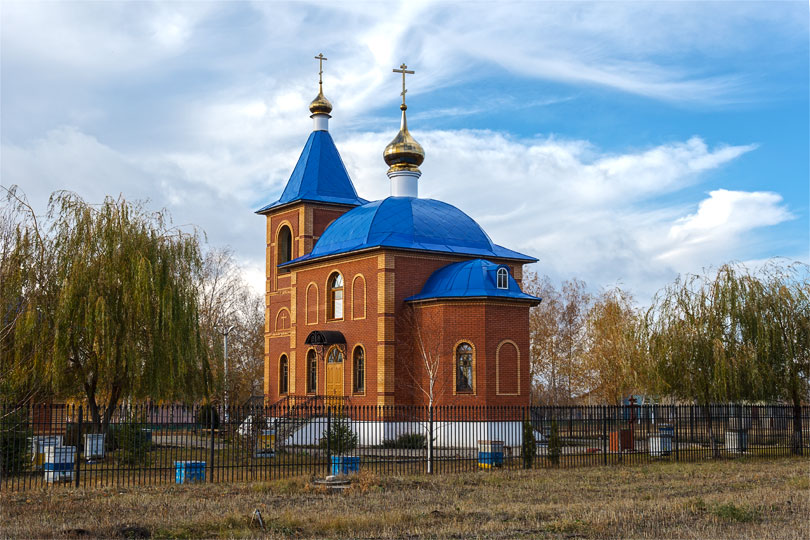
(618, 143)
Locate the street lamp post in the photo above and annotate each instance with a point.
(225, 331)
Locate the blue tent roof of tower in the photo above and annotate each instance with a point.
(408, 223)
(319, 176)
(477, 278)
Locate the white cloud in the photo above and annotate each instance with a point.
(722, 221)
(202, 108)
(582, 213)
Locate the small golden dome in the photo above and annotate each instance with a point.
(403, 153)
(320, 105)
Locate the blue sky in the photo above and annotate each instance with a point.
(620, 143)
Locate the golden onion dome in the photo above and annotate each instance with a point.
(320, 105)
(403, 153)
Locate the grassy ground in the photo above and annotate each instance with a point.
(725, 499)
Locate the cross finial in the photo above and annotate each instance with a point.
(403, 69)
(320, 58)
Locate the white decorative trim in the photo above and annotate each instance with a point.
(498, 368)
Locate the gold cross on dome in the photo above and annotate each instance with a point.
(320, 58)
(403, 69)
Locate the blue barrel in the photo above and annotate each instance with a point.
(345, 464)
(490, 454)
(189, 471)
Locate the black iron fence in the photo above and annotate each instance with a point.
(148, 444)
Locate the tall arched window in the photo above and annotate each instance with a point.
(284, 245)
(312, 372)
(359, 370)
(334, 309)
(464, 368)
(503, 278)
(283, 375)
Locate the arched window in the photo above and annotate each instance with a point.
(312, 372)
(283, 375)
(335, 356)
(334, 309)
(503, 278)
(284, 245)
(464, 368)
(359, 370)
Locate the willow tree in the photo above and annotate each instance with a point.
(784, 330)
(125, 310)
(700, 341)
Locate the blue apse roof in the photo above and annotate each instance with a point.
(476, 278)
(408, 223)
(319, 176)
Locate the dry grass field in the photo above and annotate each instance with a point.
(727, 499)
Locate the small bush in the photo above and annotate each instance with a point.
(529, 449)
(134, 444)
(340, 437)
(732, 512)
(554, 444)
(15, 451)
(204, 416)
(410, 441)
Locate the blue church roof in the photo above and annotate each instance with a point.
(318, 176)
(408, 223)
(476, 278)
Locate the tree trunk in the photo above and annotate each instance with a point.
(115, 395)
(92, 405)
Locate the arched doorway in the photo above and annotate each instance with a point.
(334, 373)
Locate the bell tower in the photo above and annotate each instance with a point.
(318, 191)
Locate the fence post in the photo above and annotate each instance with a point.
(740, 426)
(211, 456)
(430, 439)
(604, 435)
(676, 431)
(328, 438)
(77, 466)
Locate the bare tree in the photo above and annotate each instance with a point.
(227, 300)
(427, 373)
(25, 267)
(557, 330)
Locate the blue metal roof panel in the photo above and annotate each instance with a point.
(319, 176)
(408, 223)
(476, 278)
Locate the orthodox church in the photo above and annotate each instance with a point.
(404, 300)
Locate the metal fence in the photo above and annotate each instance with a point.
(149, 444)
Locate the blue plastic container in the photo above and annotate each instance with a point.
(345, 464)
(189, 471)
(490, 454)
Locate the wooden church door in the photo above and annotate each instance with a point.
(334, 373)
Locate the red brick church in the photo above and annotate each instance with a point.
(392, 301)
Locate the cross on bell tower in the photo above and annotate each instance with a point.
(320, 106)
(403, 69)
